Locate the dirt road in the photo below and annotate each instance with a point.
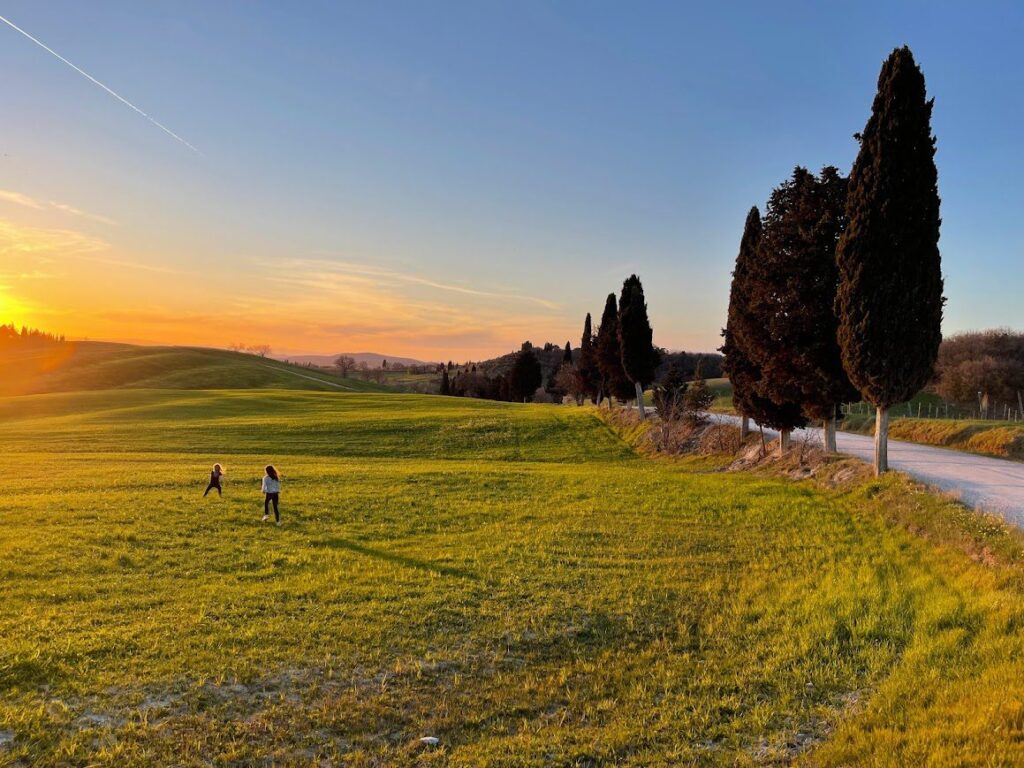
(994, 485)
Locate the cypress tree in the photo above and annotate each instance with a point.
(609, 358)
(737, 364)
(769, 271)
(742, 334)
(797, 277)
(890, 291)
(590, 373)
(635, 339)
(526, 375)
(567, 354)
(446, 385)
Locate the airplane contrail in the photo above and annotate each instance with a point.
(86, 75)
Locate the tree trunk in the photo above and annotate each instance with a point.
(783, 441)
(640, 400)
(828, 428)
(764, 446)
(744, 427)
(882, 441)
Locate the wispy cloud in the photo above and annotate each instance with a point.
(45, 246)
(18, 198)
(19, 240)
(93, 80)
(35, 274)
(316, 271)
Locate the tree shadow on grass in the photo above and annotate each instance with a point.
(403, 560)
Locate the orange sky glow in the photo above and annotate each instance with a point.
(70, 277)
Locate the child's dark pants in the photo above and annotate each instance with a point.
(272, 497)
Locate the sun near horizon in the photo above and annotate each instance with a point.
(384, 181)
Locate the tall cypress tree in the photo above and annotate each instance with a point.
(750, 309)
(567, 354)
(636, 339)
(738, 364)
(797, 278)
(890, 292)
(446, 386)
(590, 373)
(609, 357)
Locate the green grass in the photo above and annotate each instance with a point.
(511, 579)
(78, 366)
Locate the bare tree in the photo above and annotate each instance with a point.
(987, 362)
(569, 380)
(345, 364)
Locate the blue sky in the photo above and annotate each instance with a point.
(447, 179)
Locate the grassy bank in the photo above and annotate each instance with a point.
(991, 438)
(513, 580)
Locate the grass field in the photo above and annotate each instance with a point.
(78, 366)
(511, 579)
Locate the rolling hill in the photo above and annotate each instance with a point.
(373, 359)
(86, 365)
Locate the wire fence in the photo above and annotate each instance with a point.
(942, 410)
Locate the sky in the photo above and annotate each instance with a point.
(445, 180)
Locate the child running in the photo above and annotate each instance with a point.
(272, 493)
(215, 475)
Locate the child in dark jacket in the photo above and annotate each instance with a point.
(215, 475)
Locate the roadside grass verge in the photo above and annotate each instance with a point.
(514, 580)
(989, 438)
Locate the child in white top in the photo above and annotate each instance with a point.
(271, 493)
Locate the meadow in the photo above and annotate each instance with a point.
(512, 580)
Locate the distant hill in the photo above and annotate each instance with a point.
(373, 359)
(549, 356)
(91, 365)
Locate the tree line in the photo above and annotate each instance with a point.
(11, 336)
(982, 369)
(837, 290)
(617, 361)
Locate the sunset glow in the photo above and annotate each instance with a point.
(360, 186)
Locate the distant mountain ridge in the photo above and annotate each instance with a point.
(373, 359)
